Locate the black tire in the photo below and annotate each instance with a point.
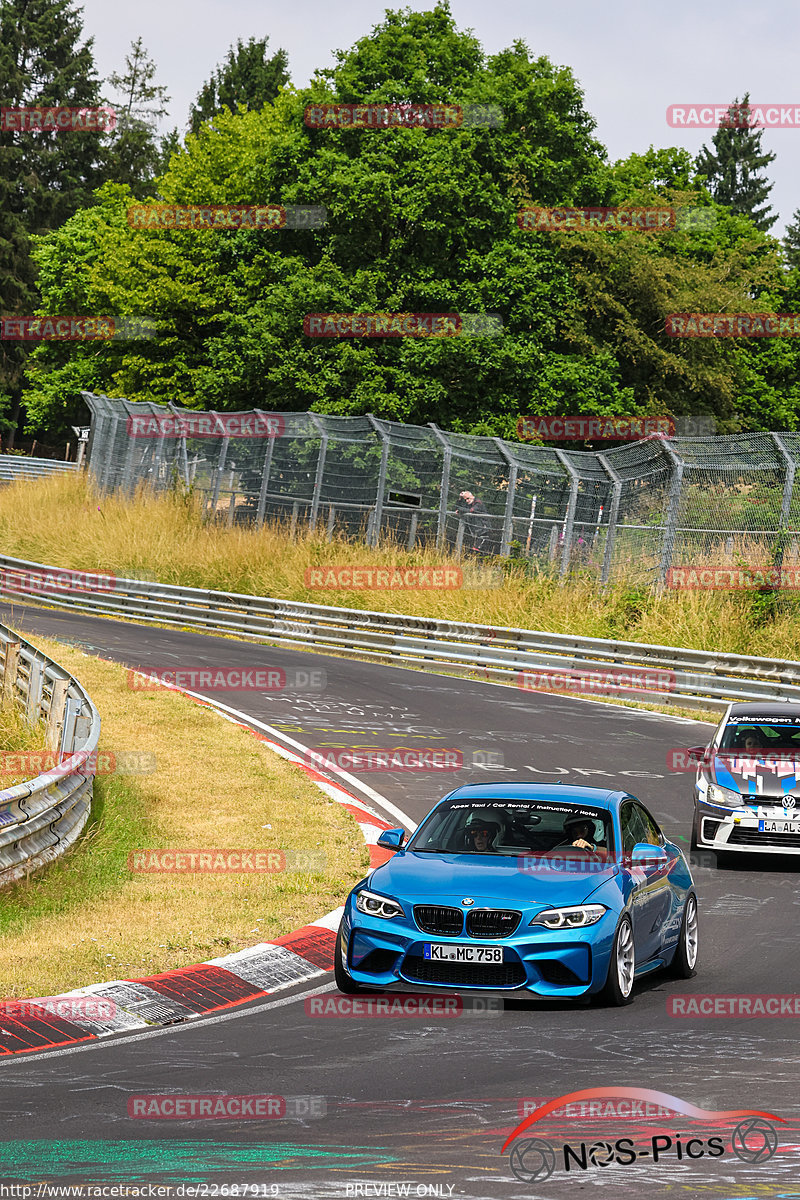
(343, 981)
(684, 962)
(618, 987)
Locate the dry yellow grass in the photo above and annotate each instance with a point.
(62, 521)
(87, 918)
(16, 737)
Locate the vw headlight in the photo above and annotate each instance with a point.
(723, 797)
(377, 906)
(570, 918)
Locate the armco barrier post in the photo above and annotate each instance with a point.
(10, 668)
(55, 718)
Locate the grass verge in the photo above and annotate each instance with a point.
(87, 918)
(63, 521)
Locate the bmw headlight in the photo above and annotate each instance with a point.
(723, 797)
(377, 906)
(570, 918)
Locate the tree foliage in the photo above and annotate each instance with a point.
(420, 220)
(247, 77)
(732, 169)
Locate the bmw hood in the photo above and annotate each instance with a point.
(758, 779)
(451, 878)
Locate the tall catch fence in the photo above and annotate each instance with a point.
(629, 513)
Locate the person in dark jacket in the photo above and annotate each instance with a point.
(476, 522)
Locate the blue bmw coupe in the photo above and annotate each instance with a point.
(527, 889)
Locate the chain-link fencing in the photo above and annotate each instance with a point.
(629, 513)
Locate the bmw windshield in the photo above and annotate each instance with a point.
(512, 827)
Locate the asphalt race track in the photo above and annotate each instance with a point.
(421, 1106)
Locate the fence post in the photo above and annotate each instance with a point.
(381, 491)
(671, 523)
(569, 519)
(508, 516)
(220, 467)
(128, 484)
(183, 452)
(323, 452)
(786, 499)
(447, 456)
(262, 495)
(611, 531)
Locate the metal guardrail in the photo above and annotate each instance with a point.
(41, 818)
(19, 466)
(698, 679)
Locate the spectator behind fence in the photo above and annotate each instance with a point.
(475, 516)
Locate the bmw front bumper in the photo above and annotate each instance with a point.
(390, 954)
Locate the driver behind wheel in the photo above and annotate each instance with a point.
(579, 831)
(481, 836)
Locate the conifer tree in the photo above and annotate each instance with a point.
(732, 170)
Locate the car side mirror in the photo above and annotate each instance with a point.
(699, 754)
(647, 857)
(392, 839)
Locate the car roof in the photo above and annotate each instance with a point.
(770, 708)
(566, 792)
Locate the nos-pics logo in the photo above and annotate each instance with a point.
(754, 1138)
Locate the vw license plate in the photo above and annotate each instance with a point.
(778, 826)
(440, 952)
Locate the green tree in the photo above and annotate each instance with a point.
(44, 177)
(134, 155)
(418, 220)
(732, 170)
(791, 241)
(247, 76)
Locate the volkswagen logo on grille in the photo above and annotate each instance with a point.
(467, 901)
(789, 801)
